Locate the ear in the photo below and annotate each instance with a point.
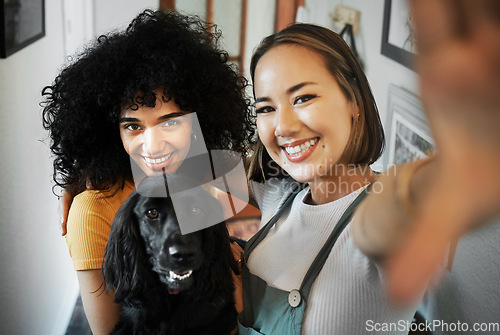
(125, 261)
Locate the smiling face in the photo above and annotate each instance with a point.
(157, 139)
(303, 118)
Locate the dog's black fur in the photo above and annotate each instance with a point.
(145, 243)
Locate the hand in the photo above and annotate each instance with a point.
(462, 196)
(459, 67)
(65, 202)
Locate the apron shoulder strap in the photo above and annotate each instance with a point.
(323, 254)
(262, 233)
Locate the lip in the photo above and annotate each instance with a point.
(158, 163)
(304, 153)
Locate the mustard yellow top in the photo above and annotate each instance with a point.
(89, 222)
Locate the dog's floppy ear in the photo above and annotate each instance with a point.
(220, 262)
(125, 260)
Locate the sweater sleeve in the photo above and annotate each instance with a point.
(89, 223)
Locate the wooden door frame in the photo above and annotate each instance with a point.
(240, 59)
(167, 4)
(286, 11)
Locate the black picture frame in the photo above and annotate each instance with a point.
(22, 22)
(394, 52)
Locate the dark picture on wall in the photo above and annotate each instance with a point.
(397, 35)
(22, 22)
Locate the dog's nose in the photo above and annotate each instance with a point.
(181, 254)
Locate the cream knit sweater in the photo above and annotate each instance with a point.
(347, 297)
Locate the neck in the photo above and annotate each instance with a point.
(345, 180)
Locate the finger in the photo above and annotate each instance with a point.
(64, 222)
(88, 185)
(65, 204)
(62, 216)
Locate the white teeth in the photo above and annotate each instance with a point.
(157, 160)
(299, 149)
(174, 276)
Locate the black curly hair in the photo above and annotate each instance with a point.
(167, 51)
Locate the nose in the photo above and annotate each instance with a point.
(153, 140)
(286, 121)
(181, 254)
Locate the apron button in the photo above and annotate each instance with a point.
(294, 298)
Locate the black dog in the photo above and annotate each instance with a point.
(169, 283)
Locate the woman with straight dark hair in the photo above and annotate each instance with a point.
(319, 131)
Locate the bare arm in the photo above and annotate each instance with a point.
(100, 308)
(380, 222)
(385, 218)
(459, 66)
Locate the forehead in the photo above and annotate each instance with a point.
(159, 106)
(287, 54)
(289, 64)
(154, 100)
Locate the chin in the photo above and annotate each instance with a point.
(302, 174)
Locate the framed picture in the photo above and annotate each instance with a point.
(408, 135)
(22, 22)
(397, 34)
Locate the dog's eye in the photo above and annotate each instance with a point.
(152, 213)
(196, 211)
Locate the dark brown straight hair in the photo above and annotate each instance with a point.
(366, 141)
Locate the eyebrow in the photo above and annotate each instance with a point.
(288, 91)
(161, 118)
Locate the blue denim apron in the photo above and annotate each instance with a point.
(271, 311)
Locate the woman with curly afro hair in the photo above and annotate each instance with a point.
(163, 69)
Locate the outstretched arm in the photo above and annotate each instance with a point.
(459, 66)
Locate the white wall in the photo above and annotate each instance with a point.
(117, 14)
(38, 285)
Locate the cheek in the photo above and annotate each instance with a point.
(131, 144)
(265, 129)
(183, 139)
(146, 234)
(125, 141)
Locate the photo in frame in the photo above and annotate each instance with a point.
(408, 136)
(397, 34)
(22, 22)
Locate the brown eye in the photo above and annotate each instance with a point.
(196, 211)
(152, 213)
